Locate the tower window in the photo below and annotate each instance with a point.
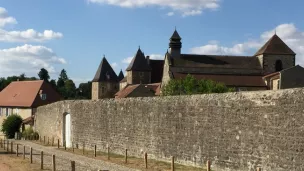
(278, 65)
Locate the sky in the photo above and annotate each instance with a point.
(75, 34)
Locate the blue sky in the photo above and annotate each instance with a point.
(74, 35)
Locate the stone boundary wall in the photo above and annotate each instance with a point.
(236, 131)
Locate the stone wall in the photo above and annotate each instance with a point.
(236, 131)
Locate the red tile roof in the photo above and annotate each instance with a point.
(229, 80)
(125, 92)
(26, 94)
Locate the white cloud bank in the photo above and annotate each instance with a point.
(289, 33)
(5, 19)
(186, 7)
(29, 35)
(28, 59)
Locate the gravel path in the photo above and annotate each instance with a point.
(63, 159)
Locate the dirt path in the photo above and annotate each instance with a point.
(63, 159)
(9, 162)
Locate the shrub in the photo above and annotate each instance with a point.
(29, 132)
(189, 85)
(11, 125)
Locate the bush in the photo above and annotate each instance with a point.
(11, 125)
(189, 85)
(30, 133)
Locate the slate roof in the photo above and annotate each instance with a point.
(139, 62)
(220, 61)
(105, 72)
(229, 80)
(26, 94)
(275, 45)
(175, 36)
(121, 76)
(157, 70)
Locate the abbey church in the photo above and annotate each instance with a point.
(272, 67)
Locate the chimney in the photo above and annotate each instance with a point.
(148, 60)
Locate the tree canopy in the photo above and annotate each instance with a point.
(44, 75)
(189, 85)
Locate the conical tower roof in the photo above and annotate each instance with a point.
(105, 72)
(139, 62)
(275, 45)
(121, 76)
(175, 36)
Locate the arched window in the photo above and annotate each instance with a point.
(278, 65)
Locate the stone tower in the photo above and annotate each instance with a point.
(105, 83)
(121, 76)
(139, 72)
(275, 56)
(175, 45)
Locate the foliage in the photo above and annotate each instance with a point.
(189, 85)
(44, 75)
(64, 86)
(11, 125)
(28, 132)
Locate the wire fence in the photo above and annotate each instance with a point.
(46, 160)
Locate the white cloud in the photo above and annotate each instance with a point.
(157, 56)
(28, 59)
(170, 14)
(186, 7)
(127, 60)
(29, 35)
(289, 33)
(114, 65)
(5, 19)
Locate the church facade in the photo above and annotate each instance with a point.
(271, 67)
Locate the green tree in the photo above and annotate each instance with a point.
(11, 125)
(84, 90)
(70, 89)
(63, 77)
(53, 83)
(189, 85)
(44, 75)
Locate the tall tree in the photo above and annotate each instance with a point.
(44, 75)
(70, 89)
(63, 77)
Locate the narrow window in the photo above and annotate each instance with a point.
(278, 65)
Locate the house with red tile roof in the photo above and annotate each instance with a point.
(23, 98)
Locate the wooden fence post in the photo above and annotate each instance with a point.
(17, 150)
(146, 160)
(83, 148)
(64, 145)
(208, 165)
(23, 151)
(1, 143)
(41, 160)
(31, 155)
(95, 151)
(7, 146)
(4, 144)
(259, 169)
(108, 152)
(53, 163)
(58, 143)
(12, 144)
(72, 165)
(126, 156)
(73, 147)
(172, 163)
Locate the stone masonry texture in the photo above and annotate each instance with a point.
(235, 131)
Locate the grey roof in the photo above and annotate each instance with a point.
(105, 72)
(275, 45)
(121, 76)
(175, 36)
(139, 63)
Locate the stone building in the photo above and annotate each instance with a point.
(23, 98)
(105, 83)
(273, 64)
(242, 72)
